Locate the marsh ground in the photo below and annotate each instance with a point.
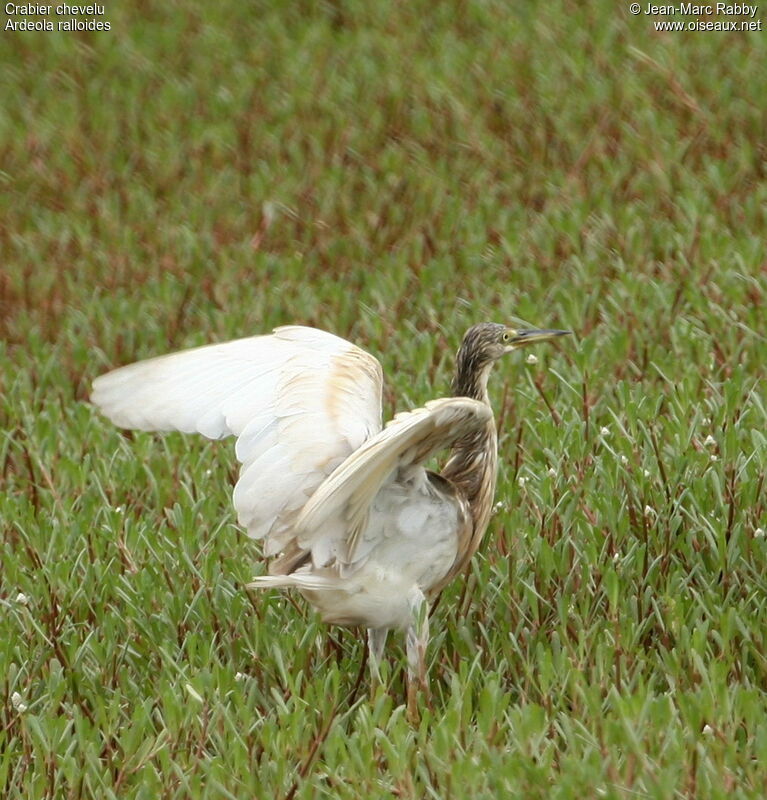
(393, 173)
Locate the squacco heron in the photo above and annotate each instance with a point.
(346, 510)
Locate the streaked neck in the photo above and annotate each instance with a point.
(470, 379)
(473, 463)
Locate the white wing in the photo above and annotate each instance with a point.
(299, 401)
(333, 522)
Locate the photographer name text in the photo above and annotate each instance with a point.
(690, 10)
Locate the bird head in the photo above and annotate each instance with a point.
(485, 343)
(488, 341)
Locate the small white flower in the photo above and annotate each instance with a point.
(624, 460)
(708, 730)
(616, 558)
(521, 480)
(759, 533)
(22, 599)
(240, 676)
(552, 473)
(17, 701)
(713, 457)
(706, 420)
(605, 431)
(532, 359)
(649, 511)
(119, 509)
(709, 441)
(646, 473)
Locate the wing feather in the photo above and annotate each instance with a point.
(299, 400)
(408, 441)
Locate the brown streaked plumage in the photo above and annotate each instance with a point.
(346, 509)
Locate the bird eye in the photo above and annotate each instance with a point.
(506, 336)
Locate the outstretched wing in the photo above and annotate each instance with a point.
(333, 522)
(299, 402)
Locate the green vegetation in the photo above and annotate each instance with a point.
(391, 172)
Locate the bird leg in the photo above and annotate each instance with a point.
(376, 642)
(416, 640)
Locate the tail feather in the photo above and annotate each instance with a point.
(294, 581)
